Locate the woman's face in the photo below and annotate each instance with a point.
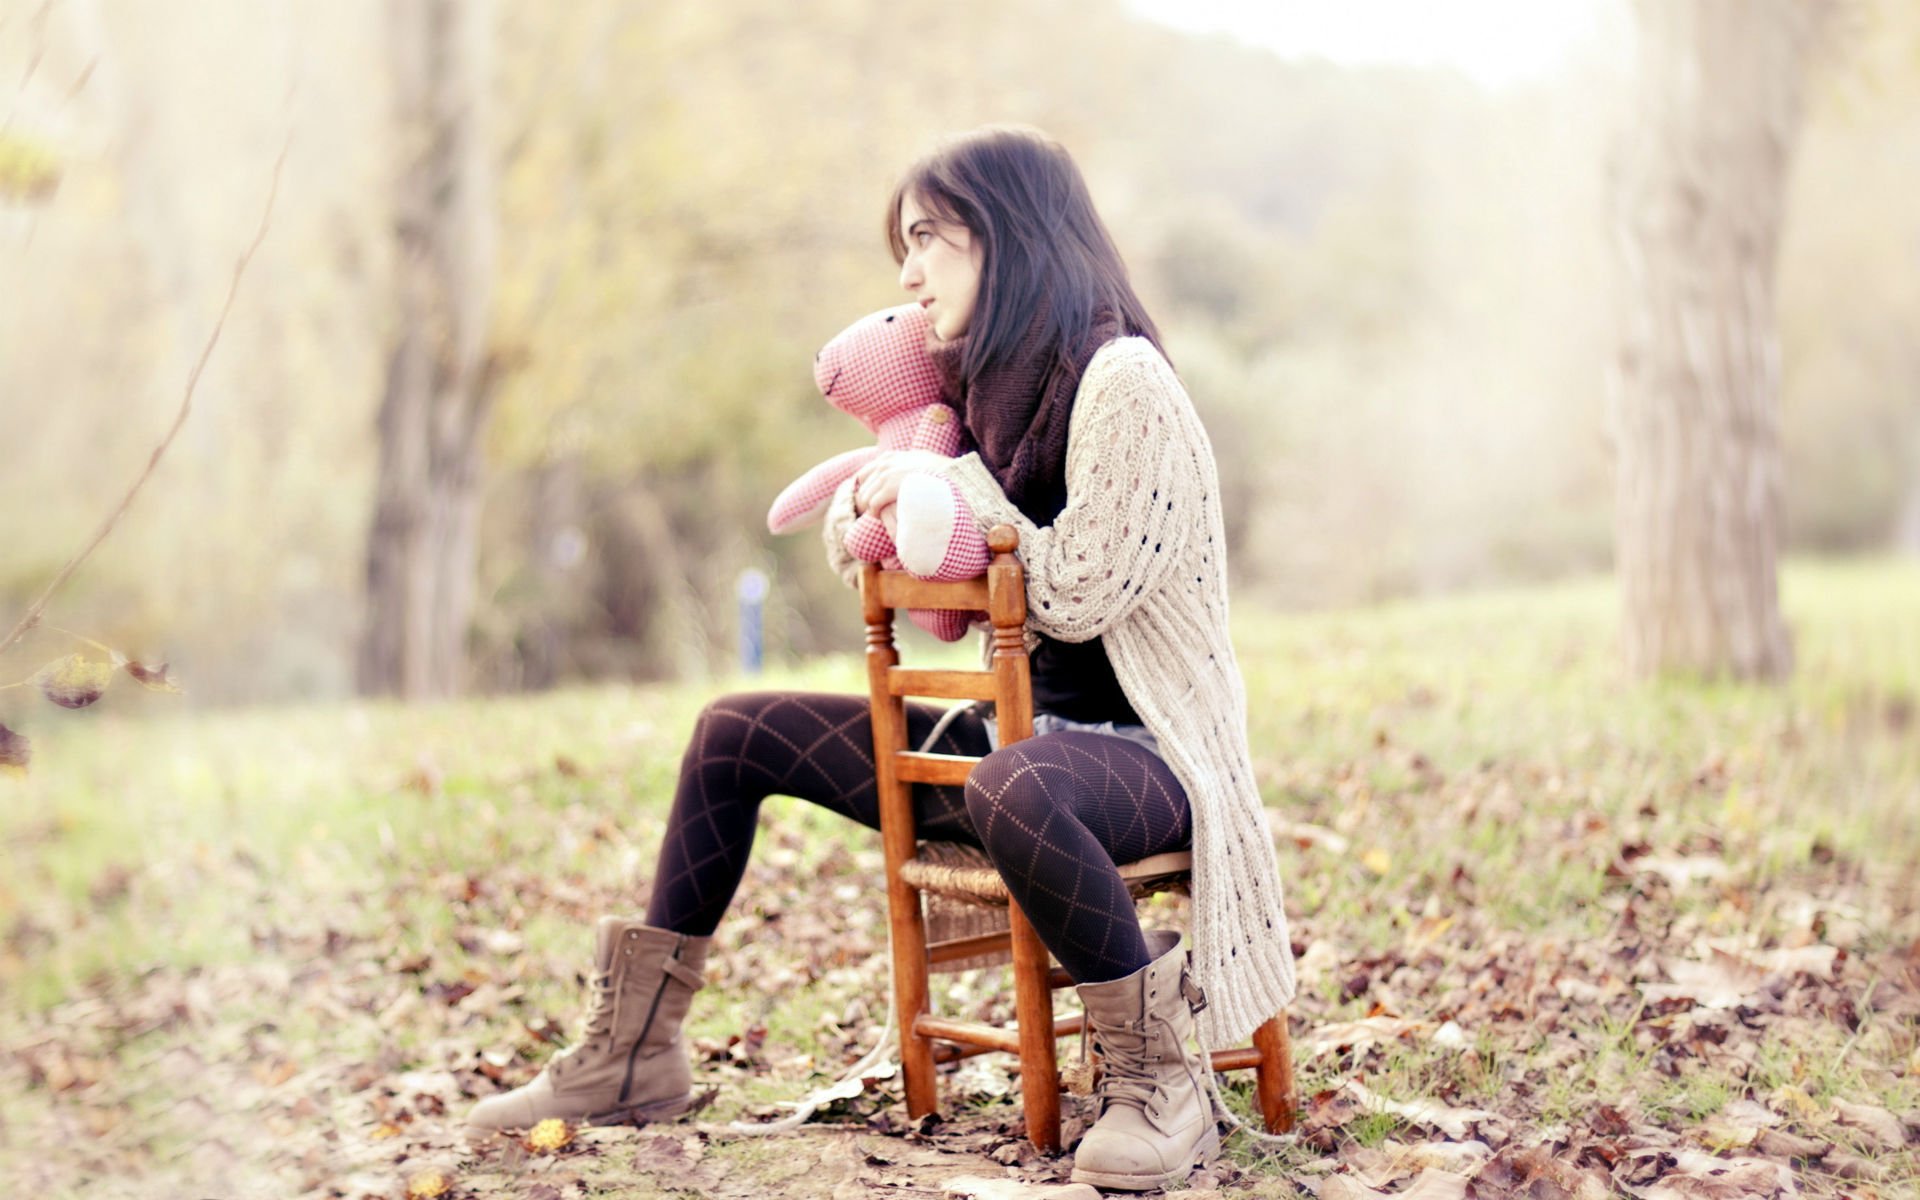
(942, 268)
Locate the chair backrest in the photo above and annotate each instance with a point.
(1002, 593)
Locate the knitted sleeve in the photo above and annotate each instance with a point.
(834, 532)
(1133, 492)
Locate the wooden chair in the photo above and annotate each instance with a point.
(943, 870)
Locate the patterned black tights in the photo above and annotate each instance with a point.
(1053, 813)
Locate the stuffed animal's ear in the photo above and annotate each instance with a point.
(805, 499)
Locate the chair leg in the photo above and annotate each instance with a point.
(1033, 1007)
(910, 1000)
(1273, 1077)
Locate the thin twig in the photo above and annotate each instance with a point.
(102, 647)
(32, 617)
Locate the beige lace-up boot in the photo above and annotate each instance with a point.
(1155, 1118)
(631, 1064)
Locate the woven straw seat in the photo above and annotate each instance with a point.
(961, 872)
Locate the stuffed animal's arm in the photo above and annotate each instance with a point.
(840, 518)
(806, 498)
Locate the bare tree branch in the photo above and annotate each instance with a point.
(39, 606)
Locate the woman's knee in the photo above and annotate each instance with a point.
(721, 729)
(1017, 781)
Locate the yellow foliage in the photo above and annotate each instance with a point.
(28, 170)
(1796, 1101)
(549, 1135)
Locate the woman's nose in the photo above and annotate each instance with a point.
(909, 273)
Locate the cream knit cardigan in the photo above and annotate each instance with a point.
(1138, 557)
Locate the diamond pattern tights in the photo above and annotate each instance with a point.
(1054, 813)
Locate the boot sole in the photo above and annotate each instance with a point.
(1204, 1152)
(641, 1114)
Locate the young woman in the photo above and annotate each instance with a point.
(1090, 448)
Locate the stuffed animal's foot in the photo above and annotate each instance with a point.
(947, 624)
(936, 534)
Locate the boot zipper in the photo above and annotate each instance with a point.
(626, 1085)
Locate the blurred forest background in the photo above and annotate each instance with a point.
(1385, 287)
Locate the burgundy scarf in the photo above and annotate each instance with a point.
(1017, 409)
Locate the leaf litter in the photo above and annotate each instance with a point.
(1693, 1033)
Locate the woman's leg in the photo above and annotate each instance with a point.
(817, 747)
(631, 1063)
(1055, 813)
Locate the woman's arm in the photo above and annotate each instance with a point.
(840, 516)
(1135, 482)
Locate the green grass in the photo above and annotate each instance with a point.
(1498, 784)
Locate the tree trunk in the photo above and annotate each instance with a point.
(1700, 181)
(422, 550)
(1906, 529)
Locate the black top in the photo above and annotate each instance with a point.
(1074, 680)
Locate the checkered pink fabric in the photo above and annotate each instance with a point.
(966, 554)
(804, 501)
(877, 371)
(944, 623)
(868, 540)
(877, 368)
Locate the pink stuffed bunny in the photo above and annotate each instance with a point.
(877, 371)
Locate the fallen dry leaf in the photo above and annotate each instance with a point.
(1680, 873)
(982, 1077)
(1782, 1144)
(75, 681)
(1454, 1122)
(1430, 1184)
(1738, 1125)
(1306, 836)
(16, 751)
(152, 677)
(1851, 1166)
(1358, 1035)
(1534, 1172)
(1881, 1127)
(1698, 1176)
(1794, 1102)
(1814, 959)
(1393, 1161)
(1722, 983)
(975, 1187)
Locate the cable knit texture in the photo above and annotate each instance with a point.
(1138, 557)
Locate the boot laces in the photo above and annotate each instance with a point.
(599, 1019)
(1127, 1065)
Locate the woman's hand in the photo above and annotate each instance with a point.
(877, 485)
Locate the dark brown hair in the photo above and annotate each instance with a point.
(1021, 196)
